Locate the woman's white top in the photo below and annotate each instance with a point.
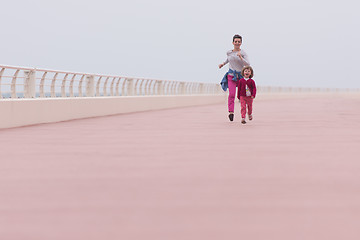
(235, 62)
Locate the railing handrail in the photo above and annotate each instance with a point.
(81, 73)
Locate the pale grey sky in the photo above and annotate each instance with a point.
(307, 43)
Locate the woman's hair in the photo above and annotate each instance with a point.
(237, 36)
(250, 68)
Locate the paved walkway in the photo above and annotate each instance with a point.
(187, 174)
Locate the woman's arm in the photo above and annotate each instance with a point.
(244, 57)
(224, 63)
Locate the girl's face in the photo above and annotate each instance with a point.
(237, 43)
(247, 73)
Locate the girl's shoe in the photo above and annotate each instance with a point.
(243, 121)
(231, 117)
(250, 117)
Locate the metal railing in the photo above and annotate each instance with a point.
(26, 82)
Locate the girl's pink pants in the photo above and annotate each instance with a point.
(246, 101)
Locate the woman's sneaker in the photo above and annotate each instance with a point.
(250, 117)
(243, 121)
(231, 117)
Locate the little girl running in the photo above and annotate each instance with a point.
(246, 92)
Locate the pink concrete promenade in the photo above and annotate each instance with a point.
(187, 174)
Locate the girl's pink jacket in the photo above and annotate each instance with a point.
(242, 90)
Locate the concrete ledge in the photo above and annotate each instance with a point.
(22, 112)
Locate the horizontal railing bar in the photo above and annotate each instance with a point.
(60, 80)
(10, 77)
(15, 67)
(81, 73)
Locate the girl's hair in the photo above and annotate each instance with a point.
(250, 68)
(237, 36)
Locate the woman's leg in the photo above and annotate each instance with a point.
(232, 93)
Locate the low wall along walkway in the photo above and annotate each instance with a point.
(32, 96)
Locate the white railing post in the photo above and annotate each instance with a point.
(160, 87)
(1, 73)
(182, 89)
(42, 92)
(53, 82)
(63, 84)
(90, 86)
(13, 84)
(201, 88)
(29, 83)
(130, 87)
(219, 89)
